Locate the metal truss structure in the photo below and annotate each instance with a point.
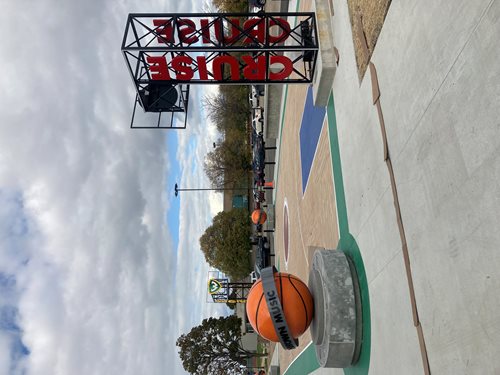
(166, 52)
(157, 97)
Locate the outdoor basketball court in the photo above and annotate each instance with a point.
(436, 65)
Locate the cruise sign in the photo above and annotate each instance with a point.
(218, 48)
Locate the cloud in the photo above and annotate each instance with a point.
(98, 288)
(190, 258)
(5, 361)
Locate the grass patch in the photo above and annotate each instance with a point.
(367, 18)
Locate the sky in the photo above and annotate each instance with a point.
(100, 267)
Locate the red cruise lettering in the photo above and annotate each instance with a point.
(255, 34)
(182, 67)
(219, 30)
(284, 27)
(205, 30)
(158, 68)
(187, 31)
(164, 30)
(202, 67)
(254, 69)
(235, 31)
(285, 72)
(218, 66)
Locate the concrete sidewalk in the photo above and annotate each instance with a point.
(439, 77)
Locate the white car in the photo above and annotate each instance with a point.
(253, 277)
(255, 93)
(258, 120)
(253, 99)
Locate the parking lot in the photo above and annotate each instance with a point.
(263, 197)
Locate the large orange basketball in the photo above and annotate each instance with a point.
(259, 216)
(296, 302)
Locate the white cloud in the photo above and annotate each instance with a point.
(202, 205)
(5, 362)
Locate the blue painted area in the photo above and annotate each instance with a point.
(173, 178)
(307, 361)
(310, 129)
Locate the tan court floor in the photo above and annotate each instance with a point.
(312, 216)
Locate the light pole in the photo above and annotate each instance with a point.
(177, 189)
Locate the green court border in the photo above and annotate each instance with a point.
(348, 244)
(307, 362)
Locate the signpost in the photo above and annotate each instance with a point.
(222, 291)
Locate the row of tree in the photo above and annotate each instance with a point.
(214, 347)
(230, 6)
(226, 243)
(229, 163)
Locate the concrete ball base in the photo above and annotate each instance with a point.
(336, 327)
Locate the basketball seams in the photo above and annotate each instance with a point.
(257, 313)
(285, 286)
(281, 294)
(295, 278)
(303, 302)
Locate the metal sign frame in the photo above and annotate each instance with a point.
(228, 292)
(197, 48)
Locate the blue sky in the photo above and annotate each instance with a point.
(96, 253)
(9, 324)
(14, 231)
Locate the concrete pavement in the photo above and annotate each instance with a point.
(438, 71)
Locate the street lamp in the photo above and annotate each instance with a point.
(177, 189)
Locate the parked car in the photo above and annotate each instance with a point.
(259, 195)
(259, 175)
(258, 90)
(253, 97)
(262, 255)
(258, 228)
(259, 158)
(258, 120)
(253, 277)
(258, 3)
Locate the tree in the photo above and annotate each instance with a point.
(229, 108)
(231, 5)
(214, 347)
(226, 244)
(229, 163)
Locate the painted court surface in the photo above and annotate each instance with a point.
(436, 64)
